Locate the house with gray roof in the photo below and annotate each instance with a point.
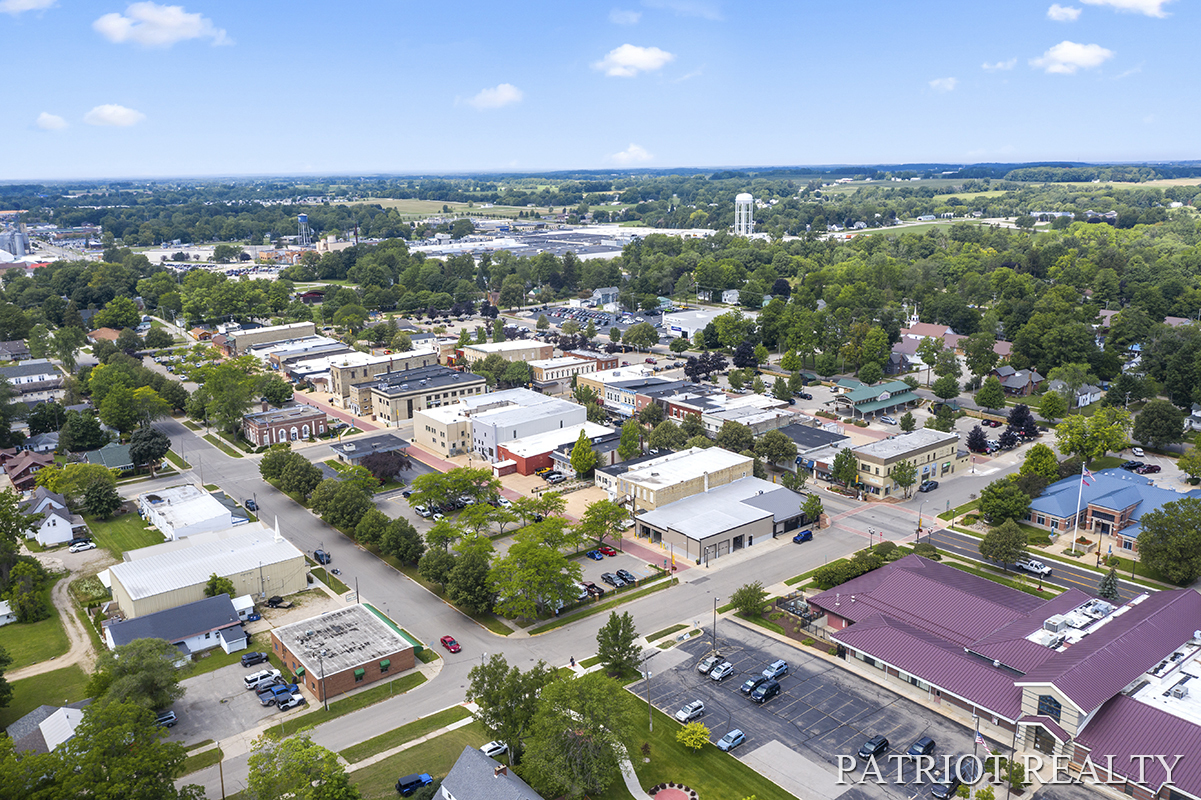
(42, 442)
(1018, 382)
(1071, 676)
(46, 727)
(192, 627)
(35, 375)
(1083, 396)
(112, 455)
(16, 350)
(476, 776)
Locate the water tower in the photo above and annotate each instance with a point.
(304, 236)
(744, 215)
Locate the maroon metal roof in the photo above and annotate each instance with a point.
(1107, 660)
(1048, 723)
(948, 602)
(936, 661)
(1009, 644)
(1125, 727)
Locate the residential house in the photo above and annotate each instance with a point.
(22, 469)
(33, 376)
(58, 526)
(16, 350)
(7, 615)
(1018, 382)
(476, 776)
(103, 335)
(42, 442)
(46, 727)
(113, 455)
(1085, 395)
(605, 295)
(192, 627)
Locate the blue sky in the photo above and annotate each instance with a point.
(113, 89)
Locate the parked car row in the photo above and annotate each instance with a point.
(269, 686)
(1140, 467)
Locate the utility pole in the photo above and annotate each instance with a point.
(714, 624)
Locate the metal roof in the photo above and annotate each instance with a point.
(1009, 644)
(179, 623)
(725, 507)
(1113, 489)
(1124, 727)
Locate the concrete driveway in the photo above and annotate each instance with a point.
(217, 705)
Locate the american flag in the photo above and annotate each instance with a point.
(980, 739)
(1086, 477)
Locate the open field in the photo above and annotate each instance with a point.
(34, 642)
(426, 207)
(126, 532)
(64, 685)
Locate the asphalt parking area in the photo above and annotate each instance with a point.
(821, 713)
(591, 570)
(217, 705)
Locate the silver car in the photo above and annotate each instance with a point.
(722, 671)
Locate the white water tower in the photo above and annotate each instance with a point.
(744, 215)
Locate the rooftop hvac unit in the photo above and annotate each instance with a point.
(349, 446)
(1056, 623)
(1179, 691)
(1056, 642)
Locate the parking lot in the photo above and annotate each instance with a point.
(218, 705)
(822, 712)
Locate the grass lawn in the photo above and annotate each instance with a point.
(763, 622)
(222, 446)
(427, 655)
(64, 685)
(126, 532)
(709, 772)
(192, 426)
(589, 662)
(963, 509)
(179, 462)
(201, 760)
(329, 580)
(367, 697)
(405, 733)
(218, 658)
(335, 464)
(33, 642)
(436, 757)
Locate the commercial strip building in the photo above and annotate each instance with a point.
(180, 511)
(288, 424)
(1070, 676)
(242, 340)
(603, 360)
(257, 560)
(343, 650)
(395, 396)
(620, 397)
(934, 453)
(723, 519)
(347, 370)
(531, 453)
(865, 402)
(515, 350)
(352, 451)
(553, 375)
(484, 422)
(1112, 502)
(648, 483)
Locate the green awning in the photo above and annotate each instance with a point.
(387, 662)
(358, 673)
(299, 671)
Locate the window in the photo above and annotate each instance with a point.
(358, 675)
(385, 664)
(1048, 706)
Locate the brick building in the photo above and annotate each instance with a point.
(289, 424)
(343, 650)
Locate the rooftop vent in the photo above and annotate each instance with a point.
(1180, 691)
(349, 446)
(1055, 623)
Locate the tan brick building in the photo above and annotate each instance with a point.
(649, 484)
(934, 453)
(345, 371)
(516, 350)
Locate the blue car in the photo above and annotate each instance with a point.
(803, 536)
(731, 740)
(596, 555)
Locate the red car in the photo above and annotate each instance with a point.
(609, 551)
(450, 644)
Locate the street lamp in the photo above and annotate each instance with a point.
(646, 671)
(919, 521)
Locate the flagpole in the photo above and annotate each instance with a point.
(1079, 500)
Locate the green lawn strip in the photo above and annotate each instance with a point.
(435, 757)
(337, 708)
(201, 760)
(239, 443)
(33, 642)
(588, 662)
(725, 608)
(293, 496)
(405, 733)
(222, 446)
(177, 460)
(1047, 591)
(192, 426)
(335, 464)
(34, 546)
(427, 655)
(126, 532)
(709, 772)
(963, 509)
(665, 645)
(763, 623)
(602, 607)
(801, 577)
(329, 580)
(55, 688)
(93, 634)
(198, 745)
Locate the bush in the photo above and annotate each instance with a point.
(885, 548)
(860, 423)
(808, 641)
(926, 550)
(833, 650)
(1039, 540)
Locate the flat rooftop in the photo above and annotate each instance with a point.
(905, 443)
(181, 505)
(340, 640)
(297, 412)
(725, 507)
(419, 379)
(561, 361)
(676, 467)
(551, 440)
(500, 347)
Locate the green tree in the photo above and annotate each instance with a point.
(120, 312)
(907, 422)
(666, 436)
(73, 480)
(25, 593)
(603, 519)
(616, 644)
(299, 476)
(360, 477)
(946, 387)
(467, 584)
(1004, 500)
(651, 414)
(118, 409)
(340, 504)
(991, 395)
(694, 736)
(583, 457)
(775, 447)
(372, 528)
(749, 599)
(813, 508)
(101, 499)
(641, 336)
(1190, 463)
(845, 469)
(735, 437)
(142, 672)
(533, 578)
(436, 565)
(979, 354)
(576, 740)
(351, 317)
(6, 693)
(1108, 588)
(508, 698)
(218, 585)
(296, 768)
(148, 446)
(403, 541)
(228, 389)
(275, 389)
(1052, 406)
(157, 338)
(871, 373)
(1159, 424)
(14, 525)
(1093, 437)
(1004, 544)
(678, 345)
(904, 473)
(780, 391)
(1170, 542)
(543, 323)
(757, 385)
(67, 341)
(1040, 460)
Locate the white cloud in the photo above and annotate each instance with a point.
(1067, 57)
(688, 8)
(152, 25)
(51, 122)
(502, 95)
(620, 16)
(1000, 65)
(113, 116)
(944, 84)
(15, 7)
(634, 154)
(628, 60)
(1152, 8)
(1063, 13)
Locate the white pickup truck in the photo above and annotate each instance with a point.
(1032, 566)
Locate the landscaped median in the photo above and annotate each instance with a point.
(601, 607)
(404, 734)
(337, 708)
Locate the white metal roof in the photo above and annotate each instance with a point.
(692, 463)
(538, 443)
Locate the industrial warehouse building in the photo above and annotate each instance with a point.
(343, 650)
(257, 560)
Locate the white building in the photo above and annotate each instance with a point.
(6, 613)
(688, 323)
(493, 419)
(181, 511)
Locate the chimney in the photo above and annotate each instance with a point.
(501, 769)
(266, 405)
